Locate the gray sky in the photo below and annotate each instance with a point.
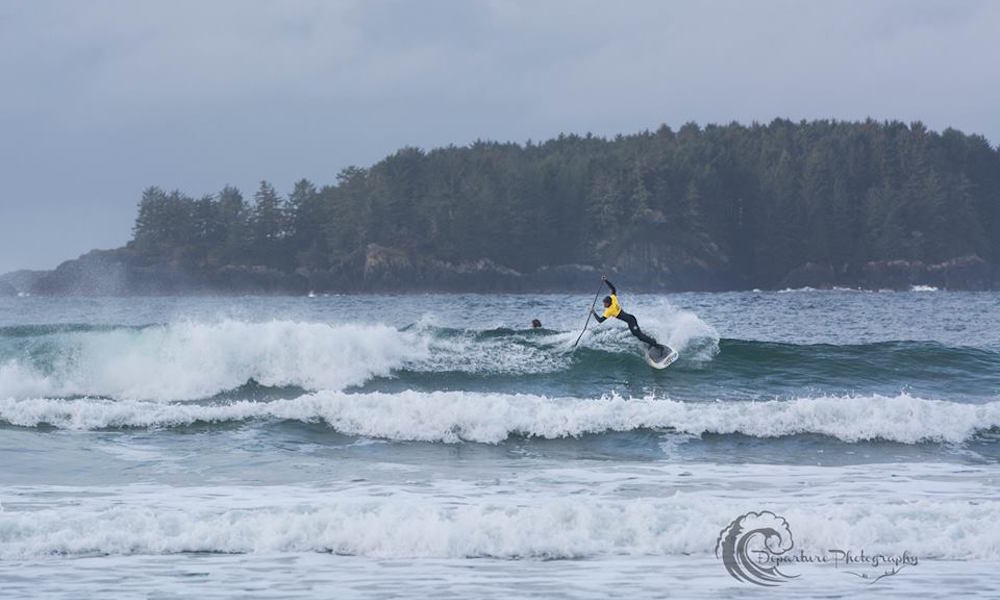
(99, 99)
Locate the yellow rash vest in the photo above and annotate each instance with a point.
(614, 309)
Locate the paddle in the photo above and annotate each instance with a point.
(589, 313)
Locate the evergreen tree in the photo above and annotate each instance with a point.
(268, 226)
(760, 200)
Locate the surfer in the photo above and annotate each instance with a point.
(536, 324)
(613, 309)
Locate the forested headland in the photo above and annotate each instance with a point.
(784, 204)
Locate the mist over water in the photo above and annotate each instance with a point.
(445, 428)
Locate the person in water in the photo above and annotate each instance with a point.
(536, 324)
(612, 309)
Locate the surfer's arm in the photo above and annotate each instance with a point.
(599, 318)
(611, 286)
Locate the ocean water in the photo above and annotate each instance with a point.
(386, 446)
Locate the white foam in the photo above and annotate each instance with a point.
(923, 288)
(18, 380)
(195, 360)
(190, 360)
(685, 332)
(535, 525)
(682, 330)
(465, 354)
(492, 417)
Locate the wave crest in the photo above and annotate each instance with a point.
(492, 418)
(188, 360)
(286, 519)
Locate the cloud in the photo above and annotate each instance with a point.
(104, 97)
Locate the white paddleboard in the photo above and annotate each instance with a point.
(660, 357)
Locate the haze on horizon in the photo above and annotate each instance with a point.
(104, 98)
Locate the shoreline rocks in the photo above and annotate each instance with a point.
(380, 269)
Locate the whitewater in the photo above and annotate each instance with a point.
(363, 446)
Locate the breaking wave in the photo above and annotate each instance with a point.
(494, 417)
(260, 520)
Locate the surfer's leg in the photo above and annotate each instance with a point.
(633, 327)
(642, 336)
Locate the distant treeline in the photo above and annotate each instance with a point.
(752, 203)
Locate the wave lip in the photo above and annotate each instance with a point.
(492, 417)
(190, 360)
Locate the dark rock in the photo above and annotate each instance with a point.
(810, 275)
(891, 274)
(677, 264)
(123, 272)
(963, 273)
(383, 269)
(255, 279)
(559, 278)
(97, 273)
(645, 265)
(23, 280)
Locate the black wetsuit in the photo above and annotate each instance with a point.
(633, 325)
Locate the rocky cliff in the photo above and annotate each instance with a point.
(380, 269)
